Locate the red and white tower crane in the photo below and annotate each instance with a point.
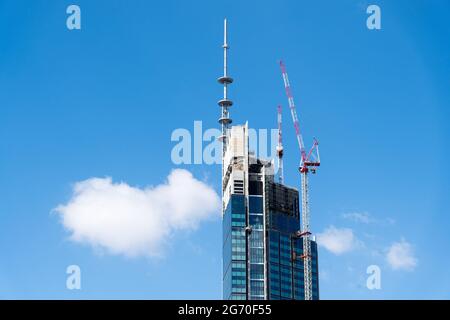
(280, 148)
(309, 161)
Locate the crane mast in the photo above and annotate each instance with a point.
(280, 147)
(308, 162)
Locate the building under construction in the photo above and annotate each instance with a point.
(266, 254)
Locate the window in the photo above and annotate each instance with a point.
(257, 287)
(256, 271)
(238, 186)
(256, 221)
(257, 255)
(255, 204)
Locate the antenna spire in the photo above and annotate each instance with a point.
(225, 46)
(225, 103)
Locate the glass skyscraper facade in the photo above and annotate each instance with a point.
(285, 268)
(235, 249)
(261, 254)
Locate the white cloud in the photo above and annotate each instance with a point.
(400, 256)
(363, 217)
(367, 218)
(136, 222)
(338, 241)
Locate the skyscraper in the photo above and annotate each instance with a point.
(261, 252)
(261, 247)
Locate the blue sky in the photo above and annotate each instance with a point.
(103, 101)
